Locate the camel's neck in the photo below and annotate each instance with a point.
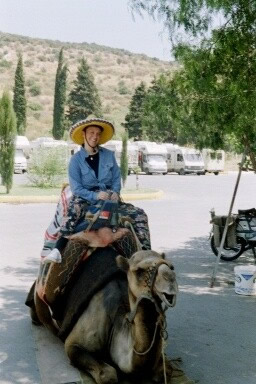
(144, 323)
(136, 334)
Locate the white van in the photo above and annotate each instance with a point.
(184, 160)
(22, 149)
(152, 157)
(47, 142)
(132, 153)
(20, 161)
(214, 161)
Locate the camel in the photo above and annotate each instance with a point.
(122, 328)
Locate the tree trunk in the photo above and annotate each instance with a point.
(250, 153)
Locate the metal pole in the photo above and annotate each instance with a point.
(137, 180)
(227, 222)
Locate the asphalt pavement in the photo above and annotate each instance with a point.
(211, 329)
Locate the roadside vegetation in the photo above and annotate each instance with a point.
(48, 167)
(211, 100)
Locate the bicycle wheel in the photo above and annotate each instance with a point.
(228, 254)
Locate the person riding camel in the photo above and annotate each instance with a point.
(94, 177)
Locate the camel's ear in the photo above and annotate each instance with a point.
(162, 255)
(122, 263)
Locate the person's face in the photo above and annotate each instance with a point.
(92, 136)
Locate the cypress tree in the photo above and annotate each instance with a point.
(7, 140)
(124, 159)
(84, 99)
(133, 119)
(60, 98)
(19, 98)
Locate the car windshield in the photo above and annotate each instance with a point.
(156, 157)
(193, 157)
(19, 152)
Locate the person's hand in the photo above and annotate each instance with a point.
(103, 195)
(114, 196)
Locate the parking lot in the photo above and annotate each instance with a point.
(211, 329)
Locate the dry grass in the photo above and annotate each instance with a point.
(109, 67)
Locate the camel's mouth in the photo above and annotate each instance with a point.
(169, 300)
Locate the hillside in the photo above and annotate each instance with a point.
(116, 72)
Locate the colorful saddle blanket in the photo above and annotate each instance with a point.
(56, 282)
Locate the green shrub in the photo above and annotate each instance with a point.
(30, 82)
(36, 115)
(124, 159)
(42, 58)
(97, 58)
(122, 88)
(35, 90)
(107, 108)
(48, 167)
(5, 63)
(28, 63)
(35, 107)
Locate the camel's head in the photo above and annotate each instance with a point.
(149, 273)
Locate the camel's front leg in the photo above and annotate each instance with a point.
(173, 371)
(101, 372)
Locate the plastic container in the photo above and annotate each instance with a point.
(245, 279)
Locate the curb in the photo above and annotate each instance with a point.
(55, 199)
(142, 196)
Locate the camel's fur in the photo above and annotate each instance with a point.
(105, 339)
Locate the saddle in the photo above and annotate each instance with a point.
(103, 228)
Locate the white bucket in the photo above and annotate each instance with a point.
(245, 279)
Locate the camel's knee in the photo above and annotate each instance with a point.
(101, 372)
(80, 357)
(73, 352)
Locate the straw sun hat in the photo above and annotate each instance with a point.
(76, 131)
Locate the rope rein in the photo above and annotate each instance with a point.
(164, 336)
(152, 343)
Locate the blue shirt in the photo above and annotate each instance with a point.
(82, 178)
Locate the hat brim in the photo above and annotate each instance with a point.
(76, 131)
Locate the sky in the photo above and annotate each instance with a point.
(104, 22)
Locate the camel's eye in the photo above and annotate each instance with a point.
(172, 267)
(139, 273)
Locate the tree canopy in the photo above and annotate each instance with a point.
(60, 98)
(7, 140)
(133, 119)
(216, 84)
(19, 98)
(157, 118)
(83, 99)
(124, 167)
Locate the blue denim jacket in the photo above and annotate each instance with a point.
(82, 178)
